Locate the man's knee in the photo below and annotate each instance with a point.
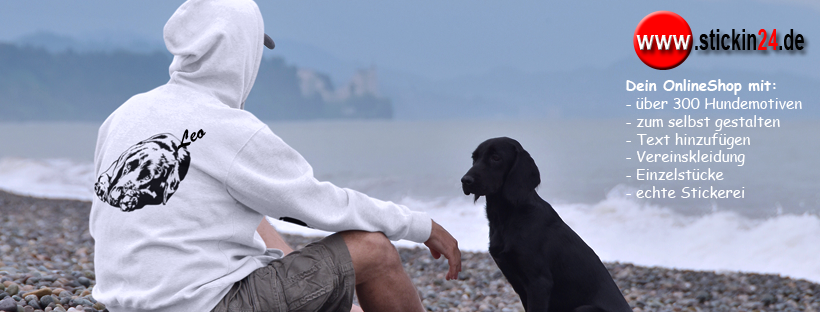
(374, 243)
(371, 251)
(377, 242)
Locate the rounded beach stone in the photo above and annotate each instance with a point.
(69, 289)
(8, 305)
(34, 303)
(12, 289)
(86, 303)
(39, 293)
(768, 299)
(84, 281)
(47, 300)
(703, 296)
(81, 301)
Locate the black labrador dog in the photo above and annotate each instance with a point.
(548, 265)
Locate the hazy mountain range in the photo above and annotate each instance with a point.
(50, 77)
(500, 93)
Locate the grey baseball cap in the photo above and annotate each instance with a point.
(269, 42)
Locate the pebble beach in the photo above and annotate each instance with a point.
(46, 264)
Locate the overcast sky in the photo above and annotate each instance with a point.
(445, 39)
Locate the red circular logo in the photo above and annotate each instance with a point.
(663, 40)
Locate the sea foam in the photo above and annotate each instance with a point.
(617, 228)
(50, 178)
(621, 229)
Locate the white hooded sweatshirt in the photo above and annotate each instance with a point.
(185, 175)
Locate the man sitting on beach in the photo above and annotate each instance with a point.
(186, 176)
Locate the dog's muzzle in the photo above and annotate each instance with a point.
(466, 184)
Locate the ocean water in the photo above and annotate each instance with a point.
(583, 166)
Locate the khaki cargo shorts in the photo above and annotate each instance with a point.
(319, 277)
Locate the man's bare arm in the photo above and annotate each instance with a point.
(272, 238)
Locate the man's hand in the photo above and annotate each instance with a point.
(442, 243)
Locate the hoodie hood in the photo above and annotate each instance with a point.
(217, 47)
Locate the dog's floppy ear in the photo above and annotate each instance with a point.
(170, 185)
(523, 176)
(178, 172)
(183, 162)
